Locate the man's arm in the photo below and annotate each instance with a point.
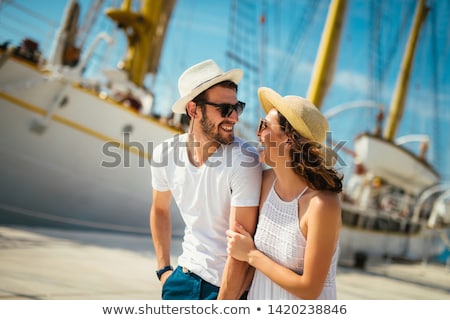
(236, 273)
(160, 228)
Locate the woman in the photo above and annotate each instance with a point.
(295, 248)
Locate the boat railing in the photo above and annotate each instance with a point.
(359, 104)
(440, 213)
(395, 205)
(379, 206)
(412, 138)
(75, 73)
(352, 105)
(427, 199)
(423, 139)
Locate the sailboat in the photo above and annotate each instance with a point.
(394, 205)
(75, 152)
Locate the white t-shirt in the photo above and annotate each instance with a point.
(204, 195)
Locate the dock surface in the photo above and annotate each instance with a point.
(50, 264)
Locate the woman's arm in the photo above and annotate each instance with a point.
(322, 235)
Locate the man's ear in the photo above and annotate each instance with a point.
(192, 109)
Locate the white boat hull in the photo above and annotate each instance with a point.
(69, 168)
(423, 246)
(381, 212)
(394, 164)
(381, 236)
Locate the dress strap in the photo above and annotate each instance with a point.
(301, 193)
(274, 181)
(298, 197)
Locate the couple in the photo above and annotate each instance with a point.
(249, 233)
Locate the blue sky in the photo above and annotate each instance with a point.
(201, 29)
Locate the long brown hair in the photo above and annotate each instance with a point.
(308, 159)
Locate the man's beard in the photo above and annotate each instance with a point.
(212, 133)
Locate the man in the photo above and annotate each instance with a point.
(214, 178)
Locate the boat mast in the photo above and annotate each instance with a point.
(145, 31)
(401, 88)
(66, 34)
(322, 74)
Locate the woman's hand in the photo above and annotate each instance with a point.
(240, 243)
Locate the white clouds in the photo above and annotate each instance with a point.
(350, 80)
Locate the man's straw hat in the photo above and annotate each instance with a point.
(200, 77)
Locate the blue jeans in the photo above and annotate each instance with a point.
(185, 285)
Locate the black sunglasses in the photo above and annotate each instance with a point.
(264, 123)
(225, 109)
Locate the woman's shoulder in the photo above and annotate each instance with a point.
(325, 196)
(325, 201)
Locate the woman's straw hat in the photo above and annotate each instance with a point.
(304, 116)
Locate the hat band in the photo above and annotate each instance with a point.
(202, 83)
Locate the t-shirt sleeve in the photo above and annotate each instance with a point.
(159, 177)
(246, 178)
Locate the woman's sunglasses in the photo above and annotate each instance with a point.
(264, 123)
(225, 109)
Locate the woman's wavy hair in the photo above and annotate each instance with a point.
(308, 159)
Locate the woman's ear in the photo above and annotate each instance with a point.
(287, 144)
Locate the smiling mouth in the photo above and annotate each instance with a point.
(227, 127)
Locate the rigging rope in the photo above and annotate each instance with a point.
(297, 41)
(401, 32)
(375, 54)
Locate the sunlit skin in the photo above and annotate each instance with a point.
(222, 130)
(211, 126)
(201, 145)
(319, 217)
(271, 139)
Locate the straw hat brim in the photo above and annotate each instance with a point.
(270, 99)
(234, 75)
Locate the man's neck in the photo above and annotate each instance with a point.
(199, 150)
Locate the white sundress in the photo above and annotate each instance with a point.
(279, 237)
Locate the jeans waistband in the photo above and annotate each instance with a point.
(195, 276)
(208, 284)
